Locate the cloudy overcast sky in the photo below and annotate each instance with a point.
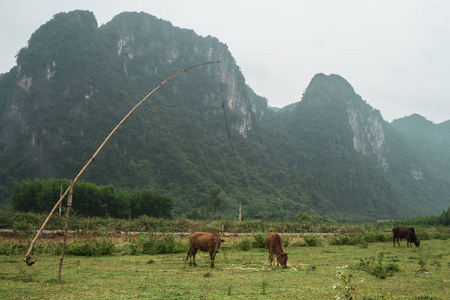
(395, 54)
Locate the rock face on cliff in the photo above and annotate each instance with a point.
(367, 124)
(331, 154)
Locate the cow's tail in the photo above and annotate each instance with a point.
(187, 256)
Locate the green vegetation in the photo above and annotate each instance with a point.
(343, 234)
(375, 266)
(349, 261)
(40, 196)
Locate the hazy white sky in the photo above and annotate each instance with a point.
(395, 54)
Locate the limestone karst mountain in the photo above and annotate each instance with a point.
(330, 154)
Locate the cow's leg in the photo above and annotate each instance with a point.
(193, 253)
(271, 254)
(398, 241)
(188, 256)
(393, 241)
(213, 256)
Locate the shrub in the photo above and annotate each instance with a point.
(48, 247)
(169, 244)
(287, 240)
(245, 244)
(91, 247)
(152, 244)
(10, 248)
(340, 239)
(131, 248)
(82, 248)
(259, 240)
(104, 246)
(148, 243)
(312, 240)
(378, 269)
(377, 236)
(297, 243)
(347, 287)
(423, 235)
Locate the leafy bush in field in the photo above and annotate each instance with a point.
(350, 239)
(91, 247)
(296, 243)
(377, 268)
(287, 240)
(441, 234)
(130, 248)
(340, 239)
(10, 248)
(423, 235)
(152, 244)
(377, 236)
(245, 244)
(259, 240)
(312, 240)
(48, 247)
(347, 287)
(18, 220)
(169, 244)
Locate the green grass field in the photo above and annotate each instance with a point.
(322, 272)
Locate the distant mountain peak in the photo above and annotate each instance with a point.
(334, 97)
(333, 84)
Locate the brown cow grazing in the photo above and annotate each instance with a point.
(203, 241)
(401, 232)
(274, 243)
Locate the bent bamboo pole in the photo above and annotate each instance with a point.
(31, 260)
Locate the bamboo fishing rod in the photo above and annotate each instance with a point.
(31, 260)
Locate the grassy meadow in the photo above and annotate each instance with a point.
(324, 271)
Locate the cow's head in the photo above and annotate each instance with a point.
(215, 243)
(417, 242)
(282, 259)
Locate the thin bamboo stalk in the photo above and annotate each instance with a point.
(29, 260)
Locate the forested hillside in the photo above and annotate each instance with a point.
(206, 139)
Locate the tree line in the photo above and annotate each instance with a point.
(40, 196)
(442, 219)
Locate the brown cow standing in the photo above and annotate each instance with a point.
(401, 232)
(203, 241)
(274, 243)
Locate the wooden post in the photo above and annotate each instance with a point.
(66, 226)
(60, 194)
(240, 209)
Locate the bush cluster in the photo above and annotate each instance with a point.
(313, 240)
(376, 267)
(90, 247)
(152, 244)
(361, 238)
